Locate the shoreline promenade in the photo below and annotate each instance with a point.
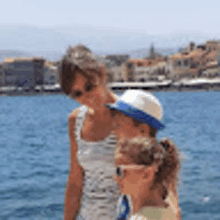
(193, 85)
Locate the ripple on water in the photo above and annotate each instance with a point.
(34, 147)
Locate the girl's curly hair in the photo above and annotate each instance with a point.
(145, 151)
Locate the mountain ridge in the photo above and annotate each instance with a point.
(52, 42)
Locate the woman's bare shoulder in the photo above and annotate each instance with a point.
(73, 114)
(72, 122)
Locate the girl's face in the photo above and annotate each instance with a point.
(133, 179)
(129, 178)
(88, 92)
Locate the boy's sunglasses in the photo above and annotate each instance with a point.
(87, 88)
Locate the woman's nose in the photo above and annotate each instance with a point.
(115, 125)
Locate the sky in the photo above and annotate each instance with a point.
(150, 17)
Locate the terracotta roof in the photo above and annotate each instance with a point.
(145, 62)
(182, 71)
(9, 60)
(212, 42)
(161, 64)
(21, 59)
(211, 64)
(212, 54)
(139, 62)
(196, 53)
(193, 54)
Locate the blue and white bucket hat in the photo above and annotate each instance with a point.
(140, 105)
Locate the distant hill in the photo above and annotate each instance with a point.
(140, 53)
(51, 42)
(52, 55)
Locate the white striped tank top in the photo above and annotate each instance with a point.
(100, 191)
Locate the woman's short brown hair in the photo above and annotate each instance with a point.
(86, 65)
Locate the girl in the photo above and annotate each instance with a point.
(148, 169)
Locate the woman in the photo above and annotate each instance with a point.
(91, 192)
(148, 169)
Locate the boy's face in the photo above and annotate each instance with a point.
(125, 127)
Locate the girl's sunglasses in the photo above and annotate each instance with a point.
(88, 88)
(119, 172)
(120, 169)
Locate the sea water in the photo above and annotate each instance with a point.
(34, 149)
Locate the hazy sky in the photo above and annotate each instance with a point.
(154, 17)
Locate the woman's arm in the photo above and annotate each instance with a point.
(75, 179)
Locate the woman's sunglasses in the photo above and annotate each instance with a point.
(88, 88)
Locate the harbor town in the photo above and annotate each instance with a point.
(192, 68)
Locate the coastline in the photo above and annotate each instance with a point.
(195, 85)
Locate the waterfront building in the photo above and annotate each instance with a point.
(115, 74)
(117, 59)
(195, 61)
(212, 45)
(211, 69)
(141, 70)
(23, 71)
(51, 75)
(188, 64)
(2, 75)
(218, 60)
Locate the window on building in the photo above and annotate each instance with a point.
(39, 82)
(186, 62)
(142, 80)
(10, 66)
(52, 77)
(130, 65)
(197, 64)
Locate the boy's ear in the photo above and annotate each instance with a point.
(145, 128)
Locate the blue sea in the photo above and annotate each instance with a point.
(34, 150)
